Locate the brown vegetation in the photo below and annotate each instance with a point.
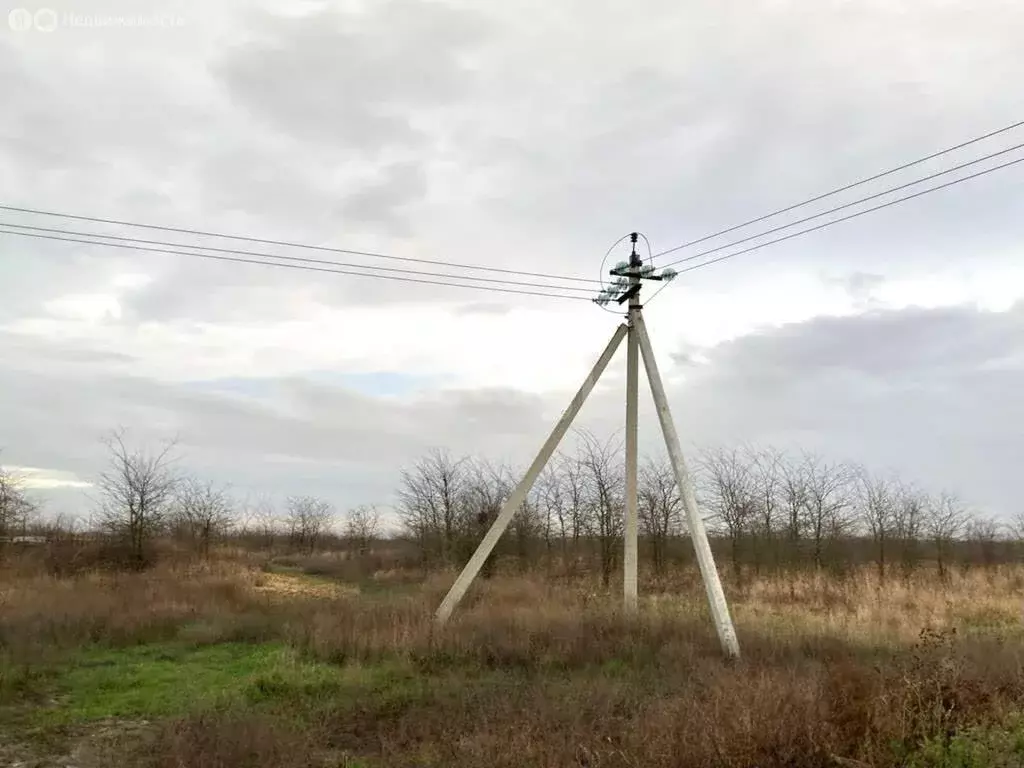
(548, 672)
(879, 625)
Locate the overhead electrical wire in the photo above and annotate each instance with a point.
(853, 215)
(323, 265)
(866, 180)
(287, 265)
(844, 206)
(823, 225)
(290, 244)
(297, 259)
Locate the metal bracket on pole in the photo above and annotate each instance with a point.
(705, 558)
(518, 495)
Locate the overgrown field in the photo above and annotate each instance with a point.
(243, 661)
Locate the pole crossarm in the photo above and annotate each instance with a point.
(628, 274)
(518, 495)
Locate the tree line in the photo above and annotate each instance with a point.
(142, 496)
(765, 509)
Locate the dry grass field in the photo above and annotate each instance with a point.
(241, 661)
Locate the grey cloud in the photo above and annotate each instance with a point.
(686, 356)
(860, 287)
(914, 390)
(353, 79)
(33, 271)
(381, 200)
(933, 394)
(886, 345)
(25, 351)
(294, 432)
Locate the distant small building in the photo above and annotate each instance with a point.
(28, 540)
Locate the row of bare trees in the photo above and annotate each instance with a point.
(447, 504)
(143, 495)
(771, 506)
(767, 509)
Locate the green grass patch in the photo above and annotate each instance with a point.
(165, 679)
(978, 747)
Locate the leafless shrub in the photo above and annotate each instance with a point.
(136, 494)
(362, 526)
(829, 506)
(945, 521)
(202, 513)
(260, 523)
(308, 519)
(660, 508)
(729, 491)
(431, 504)
(879, 505)
(602, 472)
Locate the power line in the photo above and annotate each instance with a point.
(846, 205)
(299, 259)
(815, 199)
(284, 265)
(851, 216)
(289, 244)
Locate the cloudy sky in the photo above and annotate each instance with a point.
(523, 135)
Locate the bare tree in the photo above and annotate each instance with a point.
(945, 520)
(910, 514)
(308, 519)
(203, 512)
(432, 503)
(575, 491)
(1017, 526)
(602, 473)
(527, 529)
(767, 468)
(796, 499)
(136, 493)
(362, 527)
(729, 490)
(878, 507)
(827, 505)
(17, 510)
(982, 533)
(483, 491)
(60, 527)
(1016, 529)
(550, 500)
(564, 492)
(660, 507)
(260, 523)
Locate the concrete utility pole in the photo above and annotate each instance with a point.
(630, 543)
(705, 558)
(625, 288)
